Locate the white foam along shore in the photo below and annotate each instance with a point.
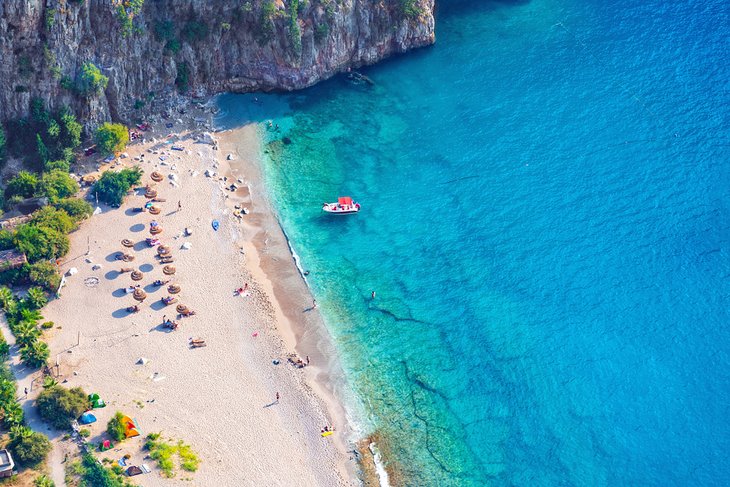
(220, 399)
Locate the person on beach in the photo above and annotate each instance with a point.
(179, 205)
(26, 391)
(277, 397)
(314, 304)
(307, 359)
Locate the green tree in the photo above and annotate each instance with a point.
(29, 447)
(112, 137)
(113, 186)
(45, 274)
(36, 298)
(91, 80)
(57, 184)
(35, 355)
(71, 129)
(40, 242)
(115, 427)
(42, 149)
(50, 217)
(3, 143)
(76, 208)
(59, 406)
(12, 412)
(54, 129)
(23, 185)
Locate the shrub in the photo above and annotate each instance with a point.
(47, 325)
(30, 447)
(113, 186)
(35, 354)
(183, 77)
(59, 406)
(173, 46)
(164, 30)
(57, 184)
(44, 274)
(23, 185)
(115, 427)
(195, 31)
(43, 481)
(76, 208)
(91, 80)
(6, 239)
(84, 432)
(39, 243)
(42, 149)
(163, 453)
(112, 137)
(96, 475)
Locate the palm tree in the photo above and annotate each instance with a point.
(49, 382)
(19, 432)
(6, 296)
(36, 298)
(27, 314)
(13, 414)
(7, 391)
(35, 354)
(26, 332)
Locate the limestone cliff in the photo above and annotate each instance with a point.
(147, 48)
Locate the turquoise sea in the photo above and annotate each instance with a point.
(545, 220)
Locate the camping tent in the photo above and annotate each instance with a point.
(96, 401)
(134, 470)
(130, 427)
(87, 418)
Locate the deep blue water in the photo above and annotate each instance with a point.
(545, 222)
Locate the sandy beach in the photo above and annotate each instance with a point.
(221, 398)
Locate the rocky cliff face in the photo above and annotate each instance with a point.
(203, 46)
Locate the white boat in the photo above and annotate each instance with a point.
(344, 206)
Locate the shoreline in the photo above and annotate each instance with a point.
(304, 332)
(250, 251)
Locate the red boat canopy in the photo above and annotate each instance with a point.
(344, 200)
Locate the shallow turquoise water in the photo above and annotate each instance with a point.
(545, 223)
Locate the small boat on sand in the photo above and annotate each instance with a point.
(344, 206)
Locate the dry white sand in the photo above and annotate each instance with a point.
(219, 399)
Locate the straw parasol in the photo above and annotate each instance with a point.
(169, 270)
(127, 258)
(157, 177)
(139, 295)
(150, 193)
(173, 289)
(137, 276)
(127, 243)
(156, 230)
(182, 309)
(163, 250)
(155, 210)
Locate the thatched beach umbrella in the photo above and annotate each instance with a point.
(157, 177)
(139, 295)
(150, 193)
(169, 270)
(127, 257)
(173, 289)
(127, 243)
(182, 309)
(155, 210)
(156, 230)
(137, 276)
(163, 250)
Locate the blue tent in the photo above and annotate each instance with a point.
(87, 418)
